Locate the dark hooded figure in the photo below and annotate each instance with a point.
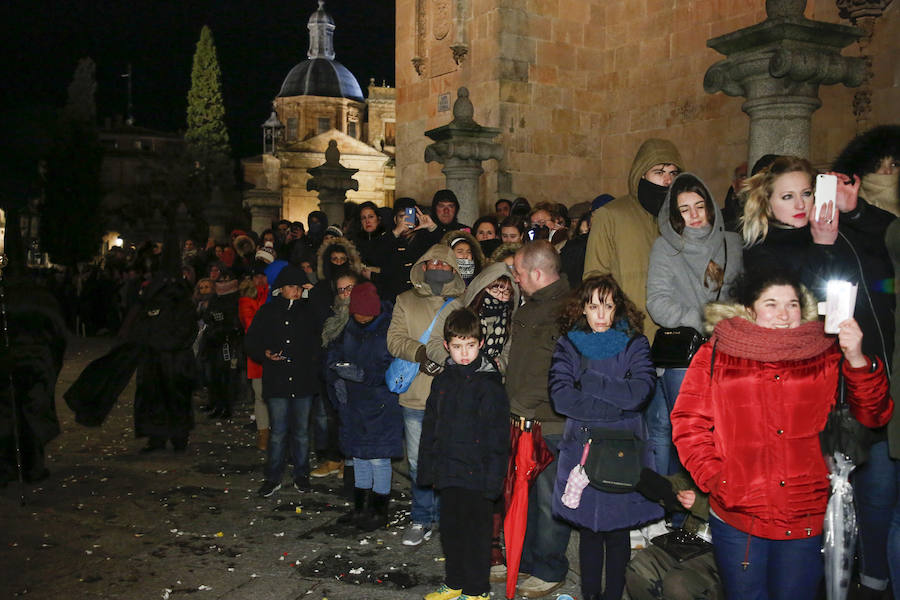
(165, 327)
(37, 341)
(159, 335)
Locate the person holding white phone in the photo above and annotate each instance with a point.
(842, 241)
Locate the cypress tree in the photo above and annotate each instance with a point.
(207, 136)
(71, 222)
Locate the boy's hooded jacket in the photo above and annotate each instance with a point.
(623, 232)
(413, 313)
(465, 431)
(676, 292)
(748, 418)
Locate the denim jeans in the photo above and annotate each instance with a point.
(289, 424)
(875, 490)
(777, 569)
(372, 474)
(659, 425)
(546, 537)
(893, 541)
(425, 505)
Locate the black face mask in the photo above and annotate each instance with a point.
(651, 196)
(436, 278)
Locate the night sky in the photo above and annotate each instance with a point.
(257, 42)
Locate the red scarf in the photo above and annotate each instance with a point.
(744, 339)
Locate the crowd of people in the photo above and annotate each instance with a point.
(675, 334)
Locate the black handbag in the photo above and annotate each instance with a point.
(675, 347)
(682, 545)
(614, 460)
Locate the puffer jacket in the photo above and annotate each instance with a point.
(371, 423)
(622, 232)
(747, 430)
(413, 313)
(606, 391)
(465, 431)
(252, 297)
(676, 291)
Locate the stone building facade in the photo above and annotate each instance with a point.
(320, 100)
(575, 86)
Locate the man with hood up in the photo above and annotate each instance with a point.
(435, 278)
(623, 231)
(444, 209)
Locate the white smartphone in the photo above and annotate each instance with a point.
(826, 191)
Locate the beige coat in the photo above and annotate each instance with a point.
(622, 232)
(413, 312)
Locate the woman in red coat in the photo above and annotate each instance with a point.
(747, 424)
(254, 293)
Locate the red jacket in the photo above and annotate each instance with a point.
(247, 308)
(750, 435)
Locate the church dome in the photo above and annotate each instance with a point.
(321, 77)
(320, 74)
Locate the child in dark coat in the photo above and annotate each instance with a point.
(371, 428)
(463, 453)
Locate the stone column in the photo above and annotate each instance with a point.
(778, 65)
(264, 206)
(461, 146)
(332, 180)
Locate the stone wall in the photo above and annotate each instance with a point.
(577, 85)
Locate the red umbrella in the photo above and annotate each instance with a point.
(531, 457)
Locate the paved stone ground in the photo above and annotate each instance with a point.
(112, 523)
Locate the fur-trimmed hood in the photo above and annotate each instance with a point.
(324, 267)
(719, 311)
(864, 153)
(477, 252)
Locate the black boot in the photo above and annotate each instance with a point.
(349, 483)
(154, 444)
(361, 500)
(378, 516)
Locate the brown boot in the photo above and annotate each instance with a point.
(262, 439)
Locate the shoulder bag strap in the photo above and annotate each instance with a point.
(426, 335)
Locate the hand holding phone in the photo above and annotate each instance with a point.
(409, 217)
(826, 191)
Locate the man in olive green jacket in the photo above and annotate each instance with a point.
(623, 231)
(435, 278)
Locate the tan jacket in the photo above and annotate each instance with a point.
(413, 312)
(622, 232)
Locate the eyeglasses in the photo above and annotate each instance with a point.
(346, 289)
(500, 290)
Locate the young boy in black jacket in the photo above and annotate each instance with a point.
(463, 453)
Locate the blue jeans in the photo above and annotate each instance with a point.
(659, 425)
(893, 541)
(777, 569)
(546, 537)
(372, 474)
(425, 505)
(288, 416)
(875, 489)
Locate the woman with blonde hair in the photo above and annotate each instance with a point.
(844, 242)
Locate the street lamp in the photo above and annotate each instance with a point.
(273, 131)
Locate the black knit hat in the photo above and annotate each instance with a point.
(290, 275)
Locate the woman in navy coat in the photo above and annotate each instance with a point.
(371, 429)
(601, 376)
